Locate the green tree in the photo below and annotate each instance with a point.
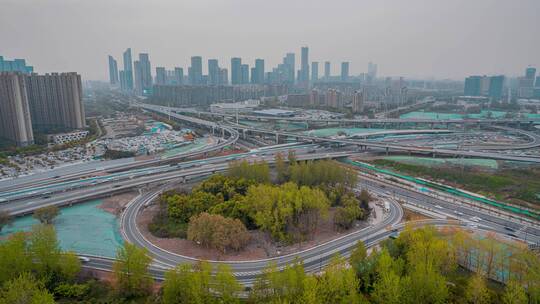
(5, 219)
(258, 171)
(287, 212)
(275, 286)
(188, 284)
(365, 198)
(345, 216)
(514, 293)
(226, 286)
(46, 215)
(339, 284)
(45, 251)
(282, 169)
(358, 255)
(131, 271)
(24, 289)
(291, 157)
(476, 291)
(14, 257)
(70, 265)
(310, 294)
(387, 288)
(216, 231)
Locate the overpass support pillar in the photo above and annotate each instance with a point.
(277, 139)
(431, 126)
(213, 130)
(244, 133)
(387, 151)
(223, 133)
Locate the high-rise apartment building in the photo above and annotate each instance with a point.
(128, 71)
(314, 71)
(289, 67)
(372, 72)
(358, 102)
(146, 73)
(55, 101)
(161, 76)
(333, 98)
(213, 72)
(303, 75)
(223, 76)
(113, 71)
(496, 84)
(15, 120)
(473, 86)
(195, 71)
(178, 76)
(526, 83)
(326, 70)
(257, 75)
(244, 72)
(236, 70)
(344, 71)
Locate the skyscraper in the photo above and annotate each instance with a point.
(326, 70)
(473, 86)
(213, 72)
(496, 87)
(303, 76)
(290, 66)
(56, 101)
(244, 74)
(344, 71)
(195, 71)
(15, 120)
(526, 83)
(146, 73)
(113, 71)
(314, 71)
(236, 70)
(161, 76)
(128, 70)
(137, 74)
(178, 76)
(372, 71)
(358, 101)
(258, 75)
(530, 73)
(223, 76)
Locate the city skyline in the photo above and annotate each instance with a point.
(429, 47)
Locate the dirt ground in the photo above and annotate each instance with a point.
(409, 215)
(260, 247)
(115, 204)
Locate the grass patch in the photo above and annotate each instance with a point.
(519, 186)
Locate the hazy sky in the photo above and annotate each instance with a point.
(411, 38)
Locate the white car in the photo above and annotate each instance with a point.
(84, 259)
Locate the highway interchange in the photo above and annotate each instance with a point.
(24, 195)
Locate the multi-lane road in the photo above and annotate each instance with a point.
(27, 195)
(353, 142)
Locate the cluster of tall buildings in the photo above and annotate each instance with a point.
(494, 87)
(29, 102)
(488, 86)
(137, 76)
